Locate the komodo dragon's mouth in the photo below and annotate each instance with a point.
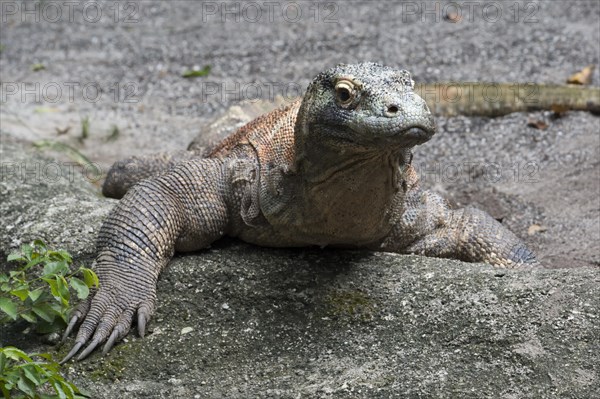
(417, 133)
(389, 132)
(408, 137)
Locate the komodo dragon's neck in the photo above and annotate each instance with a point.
(352, 133)
(337, 192)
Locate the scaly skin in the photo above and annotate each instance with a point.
(297, 176)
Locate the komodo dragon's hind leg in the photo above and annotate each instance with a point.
(128, 172)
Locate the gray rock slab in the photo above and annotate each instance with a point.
(242, 321)
(45, 198)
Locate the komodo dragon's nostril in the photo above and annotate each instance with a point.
(392, 109)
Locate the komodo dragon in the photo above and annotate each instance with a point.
(333, 169)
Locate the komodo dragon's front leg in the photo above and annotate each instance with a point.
(185, 209)
(424, 224)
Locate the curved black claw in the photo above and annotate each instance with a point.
(141, 324)
(73, 352)
(70, 327)
(111, 342)
(88, 350)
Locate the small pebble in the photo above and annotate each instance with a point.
(51, 339)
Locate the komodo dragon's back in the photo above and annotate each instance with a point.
(270, 135)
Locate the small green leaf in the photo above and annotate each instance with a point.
(80, 287)
(27, 251)
(38, 67)
(15, 257)
(63, 255)
(63, 289)
(21, 293)
(35, 294)
(29, 316)
(57, 388)
(44, 311)
(8, 307)
(26, 386)
(53, 286)
(57, 307)
(15, 353)
(59, 267)
(196, 73)
(90, 278)
(67, 388)
(4, 278)
(32, 374)
(40, 243)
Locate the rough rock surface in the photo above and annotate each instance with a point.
(49, 199)
(243, 321)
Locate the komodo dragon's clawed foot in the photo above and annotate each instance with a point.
(106, 319)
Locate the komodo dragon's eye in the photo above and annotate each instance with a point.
(345, 92)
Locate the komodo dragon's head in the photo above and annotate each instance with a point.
(353, 131)
(363, 107)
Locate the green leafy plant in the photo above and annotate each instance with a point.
(196, 73)
(38, 67)
(20, 373)
(38, 290)
(85, 129)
